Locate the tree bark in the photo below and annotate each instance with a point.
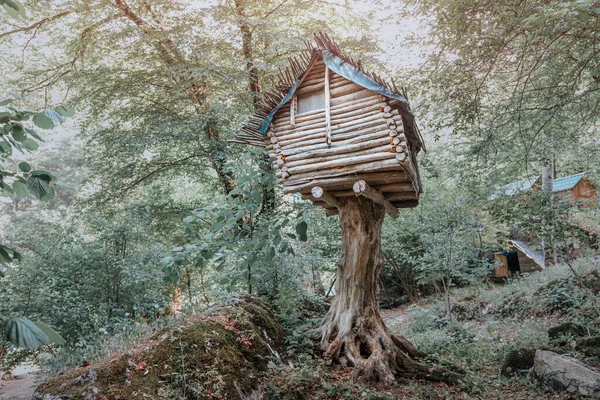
(353, 332)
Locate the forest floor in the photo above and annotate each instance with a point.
(487, 323)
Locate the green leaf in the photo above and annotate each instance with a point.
(31, 144)
(6, 102)
(6, 254)
(47, 176)
(42, 121)
(14, 8)
(54, 116)
(51, 333)
(15, 144)
(16, 95)
(40, 187)
(18, 133)
(65, 111)
(20, 189)
(5, 148)
(34, 134)
(301, 230)
(5, 186)
(25, 167)
(24, 333)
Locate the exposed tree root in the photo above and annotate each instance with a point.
(378, 356)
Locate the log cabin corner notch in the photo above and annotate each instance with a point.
(333, 130)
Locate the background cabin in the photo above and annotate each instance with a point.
(573, 188)
(529, 260)
(333, 130)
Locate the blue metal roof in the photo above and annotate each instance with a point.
(515, 188)
(566, 183)
(559, 185)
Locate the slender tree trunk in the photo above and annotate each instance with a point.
(269, 200)
(353, 332)
(547, 189)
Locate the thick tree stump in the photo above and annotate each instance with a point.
(353, 332)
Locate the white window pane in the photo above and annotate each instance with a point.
(311, 101)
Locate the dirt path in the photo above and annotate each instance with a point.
(396, 317)
(22, 385)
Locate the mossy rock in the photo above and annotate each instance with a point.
(518, 360)
(589, 345)
(591, 280)
(568, 329)
(217, 355)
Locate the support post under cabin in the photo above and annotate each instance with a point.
(362, 188)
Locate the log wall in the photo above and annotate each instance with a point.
(367, 143)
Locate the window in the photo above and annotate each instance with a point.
(311, 101)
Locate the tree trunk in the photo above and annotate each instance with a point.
(353, 332)
(547, 189)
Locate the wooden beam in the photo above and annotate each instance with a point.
(319, 194)
(327, 108)
(362, 188)
(293, 108)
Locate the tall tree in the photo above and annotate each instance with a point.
(498, 74)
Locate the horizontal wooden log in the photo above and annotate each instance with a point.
(284, 128)
(319, 160)
(310, 88)
(362, 188)
(359, 159)
(346, 89)
(336, 149)
(376, 166)
(337, 132)
(352, 96)
(339, 183)
(365, 135)
(406, 204)
(313, 80)
(406, 189)
(341, 135)
(401, 196)
(394, 187)
(312, 126)
(283, 113)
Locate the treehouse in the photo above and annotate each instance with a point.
(348, 141)
(333, 130)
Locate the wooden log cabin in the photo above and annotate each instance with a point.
(334, 130)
